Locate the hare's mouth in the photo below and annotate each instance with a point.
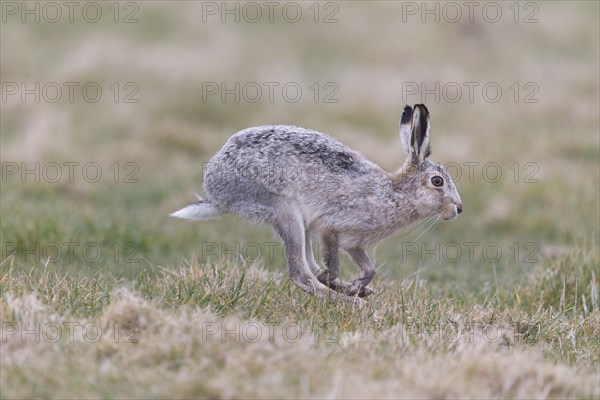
(451, 212)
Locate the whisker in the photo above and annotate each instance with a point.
(414, 230)
(421, 230)
(434, 221)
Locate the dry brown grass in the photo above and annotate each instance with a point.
(187, 353)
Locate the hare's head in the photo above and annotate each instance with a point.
(430, 184)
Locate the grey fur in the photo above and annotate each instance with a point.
(309, 186)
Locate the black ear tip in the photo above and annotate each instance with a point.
(406, 114)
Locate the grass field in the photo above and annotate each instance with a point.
(105, 127)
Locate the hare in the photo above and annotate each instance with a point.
(309, 186)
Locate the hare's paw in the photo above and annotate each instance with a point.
(336, 284)
(327, 279)
(324, 276)
(364, 292)
(348, 288)
(351, 289)
(356, 290)
(339, 285)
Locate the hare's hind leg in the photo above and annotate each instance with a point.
(367, 272)
(289, 226)
(310, 258)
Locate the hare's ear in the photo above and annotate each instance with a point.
(414, 132)
(406, 128)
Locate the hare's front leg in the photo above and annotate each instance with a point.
(367, 272)
(331, 259)
(330, 276)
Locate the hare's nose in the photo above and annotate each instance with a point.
(459, 209)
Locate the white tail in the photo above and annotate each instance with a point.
(198, 211)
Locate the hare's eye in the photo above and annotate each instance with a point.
(437, 181)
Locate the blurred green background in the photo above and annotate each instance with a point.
(157, 121)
